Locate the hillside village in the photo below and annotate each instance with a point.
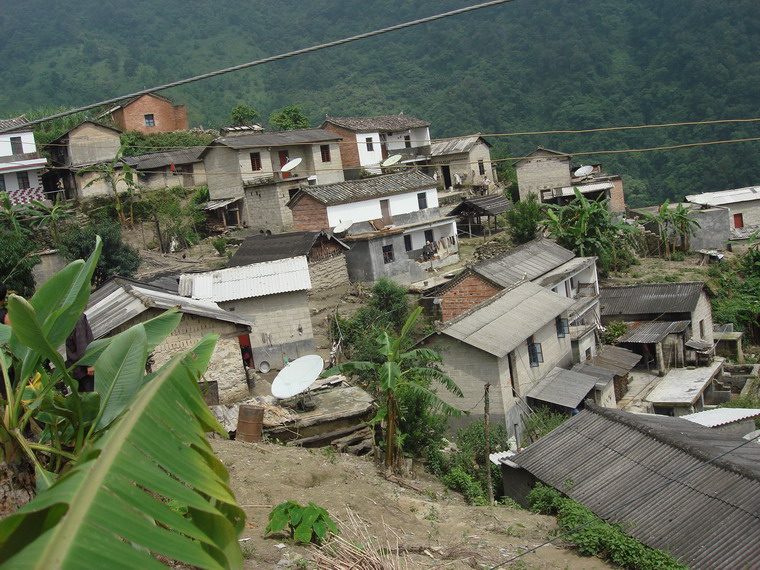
(312, 218)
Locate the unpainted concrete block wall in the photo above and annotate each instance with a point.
(542, 173)
(703, 312)
(266, 209)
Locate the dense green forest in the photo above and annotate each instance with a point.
(527, 65)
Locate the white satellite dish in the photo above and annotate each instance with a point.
(290, 165)
(391, 160)
(342, 227)
(297, 376)
(584, 170)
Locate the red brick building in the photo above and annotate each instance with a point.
(149, 113)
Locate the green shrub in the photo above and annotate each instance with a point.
(613, 331)
(309, 523)
(542, 421)
(458, 480)
(219, 244)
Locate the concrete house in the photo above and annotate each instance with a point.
(368, 141)
(158, 170)
(463, 161)
(511, 341)
(714, 229)
(273, 295)
(670, 324)
(21, 166)
(121, 303)
(325, 255)
(550, 175)
(540, 261)
(245, 179)
(742, 204)
(150, 113)
(392, 224)
(673, 484)
(86, 145)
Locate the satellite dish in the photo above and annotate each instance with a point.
(391, 160)
(297, 376)
(584, 170)
(290, 165)
(342, 227)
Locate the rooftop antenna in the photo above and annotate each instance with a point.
(584, 171)
(391, 160)
(296, 377)
(290, 165)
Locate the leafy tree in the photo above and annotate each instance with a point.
(684, 225)
(524, 219)
(242, 115)
(291, 117)
(43, 216)
(118, 258)
(113, 173)
(411, 370)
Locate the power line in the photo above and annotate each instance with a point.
(268, 60)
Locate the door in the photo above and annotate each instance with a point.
(738, 221)
(446, 176)
(283, 161)
(385, 209)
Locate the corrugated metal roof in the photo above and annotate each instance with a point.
(491, 205)
(456, 145)
(620, 360)
(648, 298)
(257, 280)
(257, 249)
(529, 261)
(507, 319)
(284, 138)
(726, 196)
(563, 387)
(388, 123)
(367, 188)
(706, 514)
(722, 416)
(120, 300)
(166, 158)
(651, 332)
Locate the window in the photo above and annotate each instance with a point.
(16, 146)
(535, 354)
(481, 167)
(2, 183)
(255, 161)
(422, 200)
(702, 329)
(408, 242)
(325, 150)
(23, 180)
(429, 236)
(150, 121)
(370, 146)
(388, 254)
(563, 327)
(407, 141)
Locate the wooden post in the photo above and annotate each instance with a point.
(487, 431)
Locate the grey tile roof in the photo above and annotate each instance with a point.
(165, 158)
(500, 324)
(256, 249)
(651, 332)
(457, 145)
(566, 388)
(367, 188)
(648, 298)
(388, 123)
(283, 138)
(529, 260)
(490, 205)
(13, 122)
(650, 473)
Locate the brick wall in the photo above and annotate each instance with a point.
(328, 273)
(617, 197)
(308, 214)
(167, 117)
(349, 152)
(471, 291)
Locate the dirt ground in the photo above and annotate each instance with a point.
(433, 528)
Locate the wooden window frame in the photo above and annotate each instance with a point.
(256, 161)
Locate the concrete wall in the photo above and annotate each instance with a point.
(166, 115)
(50, 264)
(186, 175)
(714, 231)
(466, 165)
(703, 313)
(556, 351)
(222, 173)
(308, 214)
(89, 143)
(542, 172)
(464, 295)
(282, 326)
(98, 187)
(750, 211)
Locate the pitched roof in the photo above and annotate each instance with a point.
(726, 196)
(91, 122)
(457, 145)
(120, 300)
(542, 151)
(165, 158)
(388, 123)
(650, 472)
(651, 332)
(566, 388)
(13, 122)
(366, 188)
(280, 138)
(500, 324)
(529, 260)
(256, 249)
(722, 416)
(648, 298)
(490, 205)
(616, 358)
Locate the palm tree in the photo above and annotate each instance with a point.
(412, 370)
(684, 225)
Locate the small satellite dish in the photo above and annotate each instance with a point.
(297, 376)
(264, 367)
(584, 170)
(342, 227)
(290, 165)
(391, 160)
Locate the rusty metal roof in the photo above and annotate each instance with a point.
(648, 298)
(651, 474)
(651, 332)
(367, 188)
(384, 123)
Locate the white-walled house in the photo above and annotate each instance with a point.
(743, 205)
(21, 166)
(392, 224)
(463, 161)
(368, 141)
(245, 178)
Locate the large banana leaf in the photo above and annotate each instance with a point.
(110, 510)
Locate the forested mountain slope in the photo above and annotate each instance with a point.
(528, 65)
